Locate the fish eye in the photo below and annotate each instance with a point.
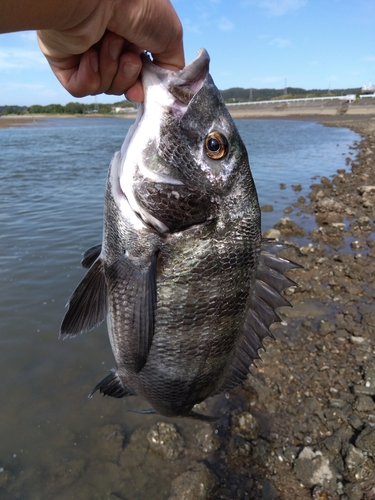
(216, 145)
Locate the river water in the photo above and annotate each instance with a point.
(52, 185)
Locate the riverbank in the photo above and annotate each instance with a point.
(323, 111)
(311, 402)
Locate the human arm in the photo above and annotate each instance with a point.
(93, 46)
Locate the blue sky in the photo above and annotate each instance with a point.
(252, 43)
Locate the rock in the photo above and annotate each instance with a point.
(194, 484)
(296, 187)
(320, 493)
(326, 327)
(364, 403)
(288, 210)
(245, 425)
(306, 250)
(314, 469)
(165, 440)
(355, 422)
(364, 221)
(266, 208)
(207, 439)
(367, 389)
(272, 234)
(330, 205)
(366, 189)
(366, 440)
(354, 458)
(288, 227)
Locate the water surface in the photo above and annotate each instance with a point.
(52, 186)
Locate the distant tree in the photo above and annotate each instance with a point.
(74, 108)
(55, 109)
(36, 108)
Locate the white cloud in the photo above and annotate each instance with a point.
(368, 59)
(267, 80)
(225, 24)
(14, 58)
(280, 43)
(191, 27)
(278, 7)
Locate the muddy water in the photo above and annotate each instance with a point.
(56, 443)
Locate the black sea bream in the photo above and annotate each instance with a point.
(188, 286)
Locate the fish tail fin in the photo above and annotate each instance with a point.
(111, 385)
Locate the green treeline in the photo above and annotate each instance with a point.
(236, 94)
(72, 108)
(245, 95)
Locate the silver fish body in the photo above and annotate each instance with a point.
(188, 286)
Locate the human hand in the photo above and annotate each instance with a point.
(98, 48)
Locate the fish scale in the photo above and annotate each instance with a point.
(187, 285)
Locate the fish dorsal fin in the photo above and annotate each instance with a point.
(266, 298)
(132, 287)
(90, 256)
(87, 306)
(111, 385)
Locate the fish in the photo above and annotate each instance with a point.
(187, 284)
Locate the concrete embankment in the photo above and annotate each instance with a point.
(304, 109)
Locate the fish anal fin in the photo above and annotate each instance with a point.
(90, 256)
(133, 288)
(111, 385)
(87, 306)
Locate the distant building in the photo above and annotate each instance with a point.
(368, 89)
(122, 110)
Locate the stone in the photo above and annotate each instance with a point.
(165, 440)
(194, 484)
(207, 439)
(314, 469)
(366, 440)
(364, 403)
(354, 458)
(272, 234)
(245, 426)
(366, 189)
(266, 208)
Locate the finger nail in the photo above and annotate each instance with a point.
(115, 48)
(94, 63)
(131, 70)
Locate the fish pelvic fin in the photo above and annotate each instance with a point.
(132, 286)
(266, 298)
(199, 416)
(111, 385)
(148, 411)
(87, 306)
(90, 256)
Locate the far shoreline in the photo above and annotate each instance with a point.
(320, 114)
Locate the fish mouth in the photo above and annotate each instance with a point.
(182, 84)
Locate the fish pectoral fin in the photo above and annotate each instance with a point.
(133, 286)
(111, 385)
(266, 298)
(87, 306)
(90, 256)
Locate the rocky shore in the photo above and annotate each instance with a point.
(311, 402)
